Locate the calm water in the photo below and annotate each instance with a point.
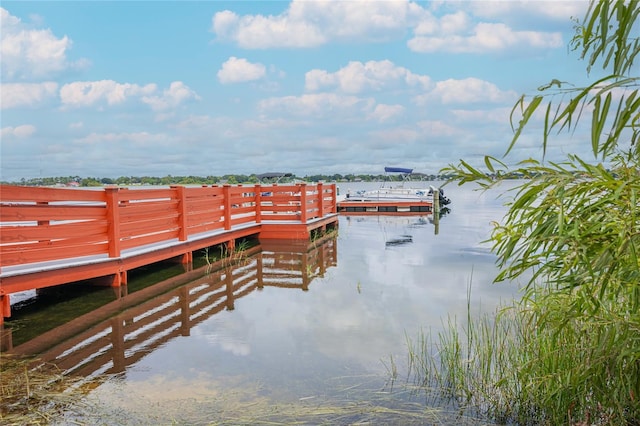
(305, 335)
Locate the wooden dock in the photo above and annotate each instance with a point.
(53, 236)
(345, 206)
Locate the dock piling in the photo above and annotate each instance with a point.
(436, 210)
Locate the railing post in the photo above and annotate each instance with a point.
(182, 211)
(303, 202)
(334, 199)
(226, 193)
(258, 197)
(113, 219)
(320, 200)
(43, 222)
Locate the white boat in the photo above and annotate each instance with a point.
(402, 190)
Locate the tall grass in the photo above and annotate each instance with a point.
(582, 372)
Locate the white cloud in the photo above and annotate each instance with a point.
(139, 139)
(469, 90)
(9, 22)
(485, 37)
(389, 138)
(356, 20)
(260, 32)
(384, 113)
(435, 128)
(31, 53)
(316, 80)
(237, 70)
(194, 121)
(15, 95)
(313, 23)
(89, 93)
(224, 24)
(20, 132)
(316, 105)
(497, 115)
(556, 10)
(176, 94)
(358, 77)
(454, 23)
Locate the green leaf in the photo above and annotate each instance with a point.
(600, 113)
(526, 115)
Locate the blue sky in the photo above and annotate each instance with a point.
(156, 88)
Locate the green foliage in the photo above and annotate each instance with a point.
(572, 225)
(572, 232)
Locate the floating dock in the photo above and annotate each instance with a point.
(349, 207)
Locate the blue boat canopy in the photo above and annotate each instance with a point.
(397, 170)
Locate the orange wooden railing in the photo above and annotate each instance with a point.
(44, 226)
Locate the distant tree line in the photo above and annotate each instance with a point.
(207, 180)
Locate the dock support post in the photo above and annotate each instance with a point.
(116, 280)
(5, 307)
(186, 258)
(436, 210)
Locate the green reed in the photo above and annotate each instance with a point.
(226, 257)
(583, 371)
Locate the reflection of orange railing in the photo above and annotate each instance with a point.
(168, 309)
(52, 236)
